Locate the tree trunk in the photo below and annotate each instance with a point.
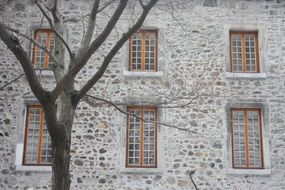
(61, 145)
(60, 165)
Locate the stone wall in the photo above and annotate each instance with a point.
(193, 54)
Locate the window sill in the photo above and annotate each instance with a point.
(232, 171)
(142, 74)
(33, 168)
(230, 75)
(141, 170)
(19, 159)
(45, 72)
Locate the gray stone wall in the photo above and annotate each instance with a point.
(193, 52)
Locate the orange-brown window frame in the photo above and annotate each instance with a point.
(48, 33)
(143, 51)
(257, 64)
(245, 110)
(39, 146)
(141, 108)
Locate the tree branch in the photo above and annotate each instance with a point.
(91, 25)
(14, 45)
(190, 174)
(33, 41)
(133, 115)
(54, 11)
(14, 80)
(113, 52)
(143, 6)
(7, 84)
(82, 58)
(54, 30)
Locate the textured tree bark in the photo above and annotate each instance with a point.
(60, 166)
(60, 125)
(61, 144)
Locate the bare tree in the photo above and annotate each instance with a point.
(60, 127)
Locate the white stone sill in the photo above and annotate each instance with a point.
(232, 171)
(33, 168)
(142, 74)
(230, 75)
(45, 72)
(19, 158)
(141, 170)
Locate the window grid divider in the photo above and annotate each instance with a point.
(245, 111)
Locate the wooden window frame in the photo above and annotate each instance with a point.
(39, 146)
(245, 110)
(257, 63)
(48, 32)
(143, 32)
(141, 165)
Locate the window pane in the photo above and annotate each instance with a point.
(250, 52)
(238, 138)
(243, 52)
(32, 142)
(150, 41)
(136, 51)
(37, 152)
(143, 51)
(141, 137)
(40, 57)
(246, 138)
(236, 52)
(254, 139)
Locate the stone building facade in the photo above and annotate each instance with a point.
(197, 44)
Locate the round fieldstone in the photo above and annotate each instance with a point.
(78, 162)
(102, 180)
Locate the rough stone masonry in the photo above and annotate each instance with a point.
(193, 53)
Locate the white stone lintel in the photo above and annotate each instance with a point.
(232, 171)
(142, 74)
(230, 75)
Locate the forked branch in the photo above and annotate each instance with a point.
(33, 41)
(14, 45)
(83, 56)
(113, 52)
(52, 26)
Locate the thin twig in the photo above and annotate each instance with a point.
(191, 173)
(54, 30)
(7, 84)
(133, 115)
(33, 41)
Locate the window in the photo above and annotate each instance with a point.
(142, 138)
(246, 134)
(143, 51)
(37, 145)
(244, 52)
(40, 58)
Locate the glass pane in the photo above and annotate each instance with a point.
(236, 52)
(136, 51)
(238, 138)
(254, 139)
